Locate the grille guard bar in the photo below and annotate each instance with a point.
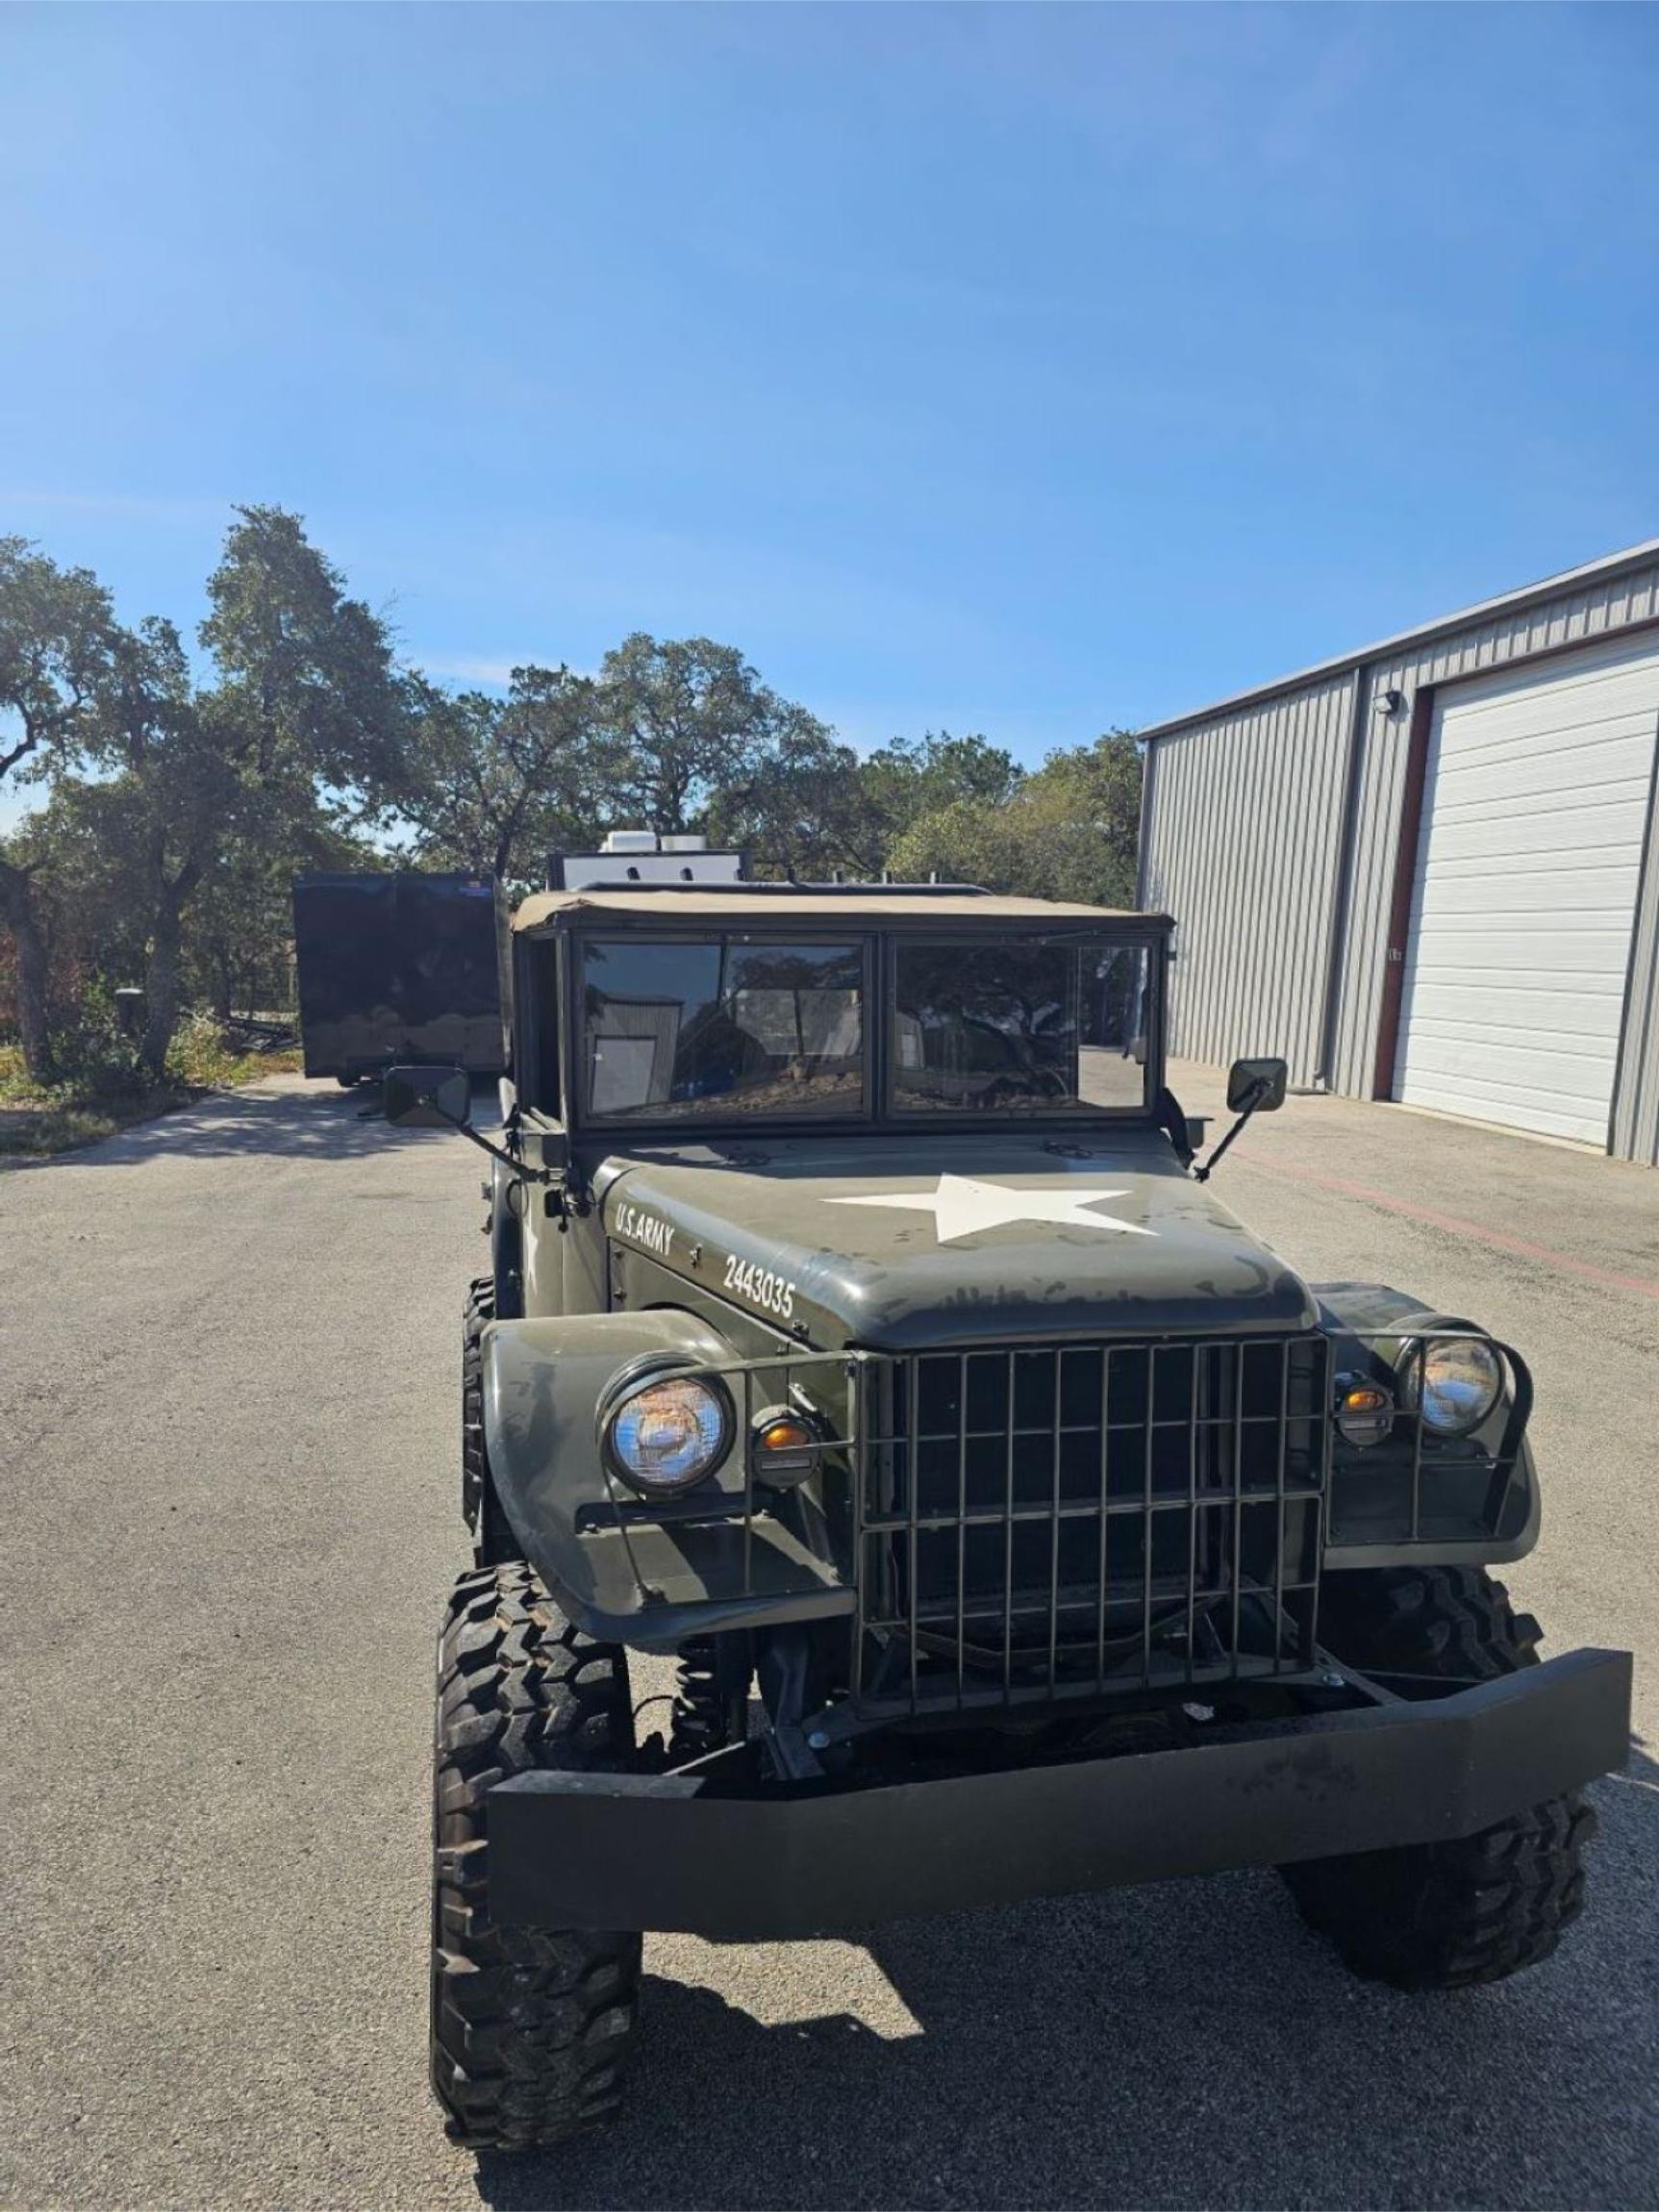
(1492, 1457)
(1250, 1491)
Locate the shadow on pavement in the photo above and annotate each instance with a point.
(319, 1123)
(1187, 2044)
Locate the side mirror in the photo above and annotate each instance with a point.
(427, 1097)
(1256, 1086)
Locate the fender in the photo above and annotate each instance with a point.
(1353, 1312)
(658, 1581)
(508, 1196)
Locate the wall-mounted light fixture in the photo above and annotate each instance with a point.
(1390, 702)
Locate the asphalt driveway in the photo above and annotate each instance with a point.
(227, 1429)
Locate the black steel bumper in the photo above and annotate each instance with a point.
(746, 1863)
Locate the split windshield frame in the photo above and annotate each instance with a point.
(877, 943)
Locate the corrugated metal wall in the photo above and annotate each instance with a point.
(1243, 832)
(1245, 838)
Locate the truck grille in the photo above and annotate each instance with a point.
(1061, 1520)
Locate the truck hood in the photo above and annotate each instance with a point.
(904, 1243)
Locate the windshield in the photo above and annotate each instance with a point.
(677, 1032)
(1045, 1025)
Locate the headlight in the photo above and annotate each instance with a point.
(1454, 1381)
(667, 1434)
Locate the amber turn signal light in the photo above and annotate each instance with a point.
(785, 1447)
(1364, 1413)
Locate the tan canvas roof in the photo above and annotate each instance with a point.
(780, 902)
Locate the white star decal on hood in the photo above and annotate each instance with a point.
(961, 1207)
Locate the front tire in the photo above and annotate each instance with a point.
(478, 1311)
(531, 2028)
(1479, 1908)
(1438, 1623)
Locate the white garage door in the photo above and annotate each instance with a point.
(1535, 811)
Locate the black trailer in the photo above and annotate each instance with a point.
(398, 967)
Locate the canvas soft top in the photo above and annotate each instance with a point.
(922, 904)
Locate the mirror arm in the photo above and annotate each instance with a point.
(1202, 1174)
(524, 1174)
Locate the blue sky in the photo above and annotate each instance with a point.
(1016, 368)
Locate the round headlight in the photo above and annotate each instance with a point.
(1454, 1382)
(668, 1434)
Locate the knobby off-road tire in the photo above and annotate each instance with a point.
(1438, 1621)
(531, 2027)
(1443, 1916)
(479, 1309)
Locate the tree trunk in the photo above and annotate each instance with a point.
(162, 989)
(34, 993)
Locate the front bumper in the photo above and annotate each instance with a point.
(742, 1862)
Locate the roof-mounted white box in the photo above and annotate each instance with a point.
(631, 867)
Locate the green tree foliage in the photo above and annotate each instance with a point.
(1066, 832)
(912, 777)
(798, 811)
(237, 950)
(307, 675)
(133, 840)
(172, 800)
(164, 786)
(490, 784)
(810, 807)
(1091, 797)
(690, 738)
(309, 717)
(181, 798)
(687, 724)
(57, 626)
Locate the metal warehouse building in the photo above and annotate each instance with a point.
(1428, 870)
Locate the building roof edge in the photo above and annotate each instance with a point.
(1547, 588)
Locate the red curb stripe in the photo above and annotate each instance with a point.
(1521, 1247)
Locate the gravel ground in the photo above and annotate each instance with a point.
(227, 1421)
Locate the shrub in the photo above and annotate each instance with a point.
(95, 1057)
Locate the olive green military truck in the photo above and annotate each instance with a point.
(862, 1340)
